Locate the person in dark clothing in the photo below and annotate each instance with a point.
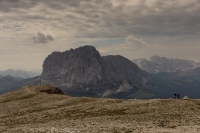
(175, 95)
(178, 95)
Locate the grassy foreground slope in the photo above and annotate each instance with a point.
(43, 109)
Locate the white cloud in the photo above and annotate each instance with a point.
(133, 43)
(130, 44)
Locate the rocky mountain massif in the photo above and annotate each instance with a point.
(43, 109)
(162, 64)
(83, 71)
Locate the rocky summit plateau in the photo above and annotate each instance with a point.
(44, 109)
(158, 64)
(83, 71)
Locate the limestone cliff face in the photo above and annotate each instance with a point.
(84, 70)
(119, 68)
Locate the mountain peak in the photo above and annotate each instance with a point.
(84, 70)
(162, 64)
(154, 57)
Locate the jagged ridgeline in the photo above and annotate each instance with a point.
(83, 71)
(158, 64)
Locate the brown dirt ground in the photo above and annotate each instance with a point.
(28, 110)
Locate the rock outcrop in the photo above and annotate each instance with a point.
(162, 64)
(84, 70)
(49, 89)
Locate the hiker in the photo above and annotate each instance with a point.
(39, 82)
(175, 95)
(178, 95)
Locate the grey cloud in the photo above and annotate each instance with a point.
(112, 18)
(158, 19)
(41, 38)
(12, 5)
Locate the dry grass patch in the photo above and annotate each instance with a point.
(40, 111)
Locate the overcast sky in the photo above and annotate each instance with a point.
(30, 30)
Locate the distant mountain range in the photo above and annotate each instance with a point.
(10, 77)
(84, 72)
(19, 74)
(9, 83)
(158, 64)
